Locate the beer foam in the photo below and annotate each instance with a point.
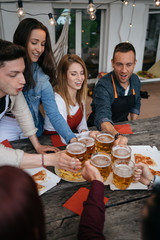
(76, 148)
(101, 161)
(123, 170)
(105, 138)
(88, 141)
(121, 152)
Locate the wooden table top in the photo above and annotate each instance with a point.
(123, 210)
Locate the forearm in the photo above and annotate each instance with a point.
(107, 126)
(93, 217)
(133, 116)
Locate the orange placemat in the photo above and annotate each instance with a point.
(75, 203)
(56, 141)
(6, 143)
(123, 129)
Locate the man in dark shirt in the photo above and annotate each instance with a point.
(117, 94)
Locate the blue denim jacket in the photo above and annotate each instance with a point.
(103, 97)
(43, 92)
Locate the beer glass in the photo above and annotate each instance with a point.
(121, 152)
(104, 142)
(74, 150)
(89, 143)
(122, 173)
(103, 163)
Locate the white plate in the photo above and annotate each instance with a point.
(75, 180)
(50, 181)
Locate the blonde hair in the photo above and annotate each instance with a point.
(61, 82)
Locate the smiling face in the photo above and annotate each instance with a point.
(11, 77)
(75, 77)
(36, 44)
(123, 65)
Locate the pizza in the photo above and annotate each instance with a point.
(154, 172)
(39, 186)
(39, 176)
(144, 159)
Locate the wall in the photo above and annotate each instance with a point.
(118, 29)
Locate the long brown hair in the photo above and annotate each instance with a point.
(61, 82)
(46, 60)
(21, 212)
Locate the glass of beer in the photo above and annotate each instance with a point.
(74, 150)
(122, 173)
(103, 163)
(104, 142)
(121, 152)
(89, 143)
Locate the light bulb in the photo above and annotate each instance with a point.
(92, 17)
(125, 2)
(20, 12)
(157, 3)
(51, 19)
(130, 25)
(91, 8)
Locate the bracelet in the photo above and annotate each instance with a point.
(150, 186)
(43, 160)
(116, 136)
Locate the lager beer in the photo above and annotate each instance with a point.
(74, 150)
(121, 152)
(103, 163)
(104, 142)
(89, 143)
(122, 173)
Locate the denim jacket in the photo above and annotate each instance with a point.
(104, 96)
(43, 92)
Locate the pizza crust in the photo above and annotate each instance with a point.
(39, 176)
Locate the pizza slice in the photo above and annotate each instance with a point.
(39, 176)
(144, 159)
(154, 172)
(40, 187)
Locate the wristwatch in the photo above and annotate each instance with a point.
(150, 186)
(116, 136)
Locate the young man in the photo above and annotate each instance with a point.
(11, 99)
(118, 93)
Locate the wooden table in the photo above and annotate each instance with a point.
(123, 210)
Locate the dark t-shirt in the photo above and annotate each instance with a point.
(2, 104)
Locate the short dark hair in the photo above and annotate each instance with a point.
(10, 51)
(124, 47)
(151, 220)
(21, 211)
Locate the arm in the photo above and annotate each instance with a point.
(53, 113)
(20, 159)
(143, 174)
(136, 84)
(93, 215)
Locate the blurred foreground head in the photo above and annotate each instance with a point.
(21, 213)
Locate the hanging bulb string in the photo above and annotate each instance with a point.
(131, 25)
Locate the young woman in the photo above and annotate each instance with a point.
(40, 76)
(70, 93)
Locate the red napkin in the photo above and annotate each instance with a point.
(6, 143)
(75, 203)
(56, 141)
(123, 129)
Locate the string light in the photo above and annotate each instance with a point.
(20, 10)
(157, 2)
(125, 2)
(51, 19)
(92, 16)
(91, 7)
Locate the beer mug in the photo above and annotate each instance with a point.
(121, 152)
(103, 163)
(89, 143)
(104, 142)
(122, 173)
(74, 150)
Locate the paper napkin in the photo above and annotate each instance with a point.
(123, 129)
(56, 141)
(75, 203)
(6, 143)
